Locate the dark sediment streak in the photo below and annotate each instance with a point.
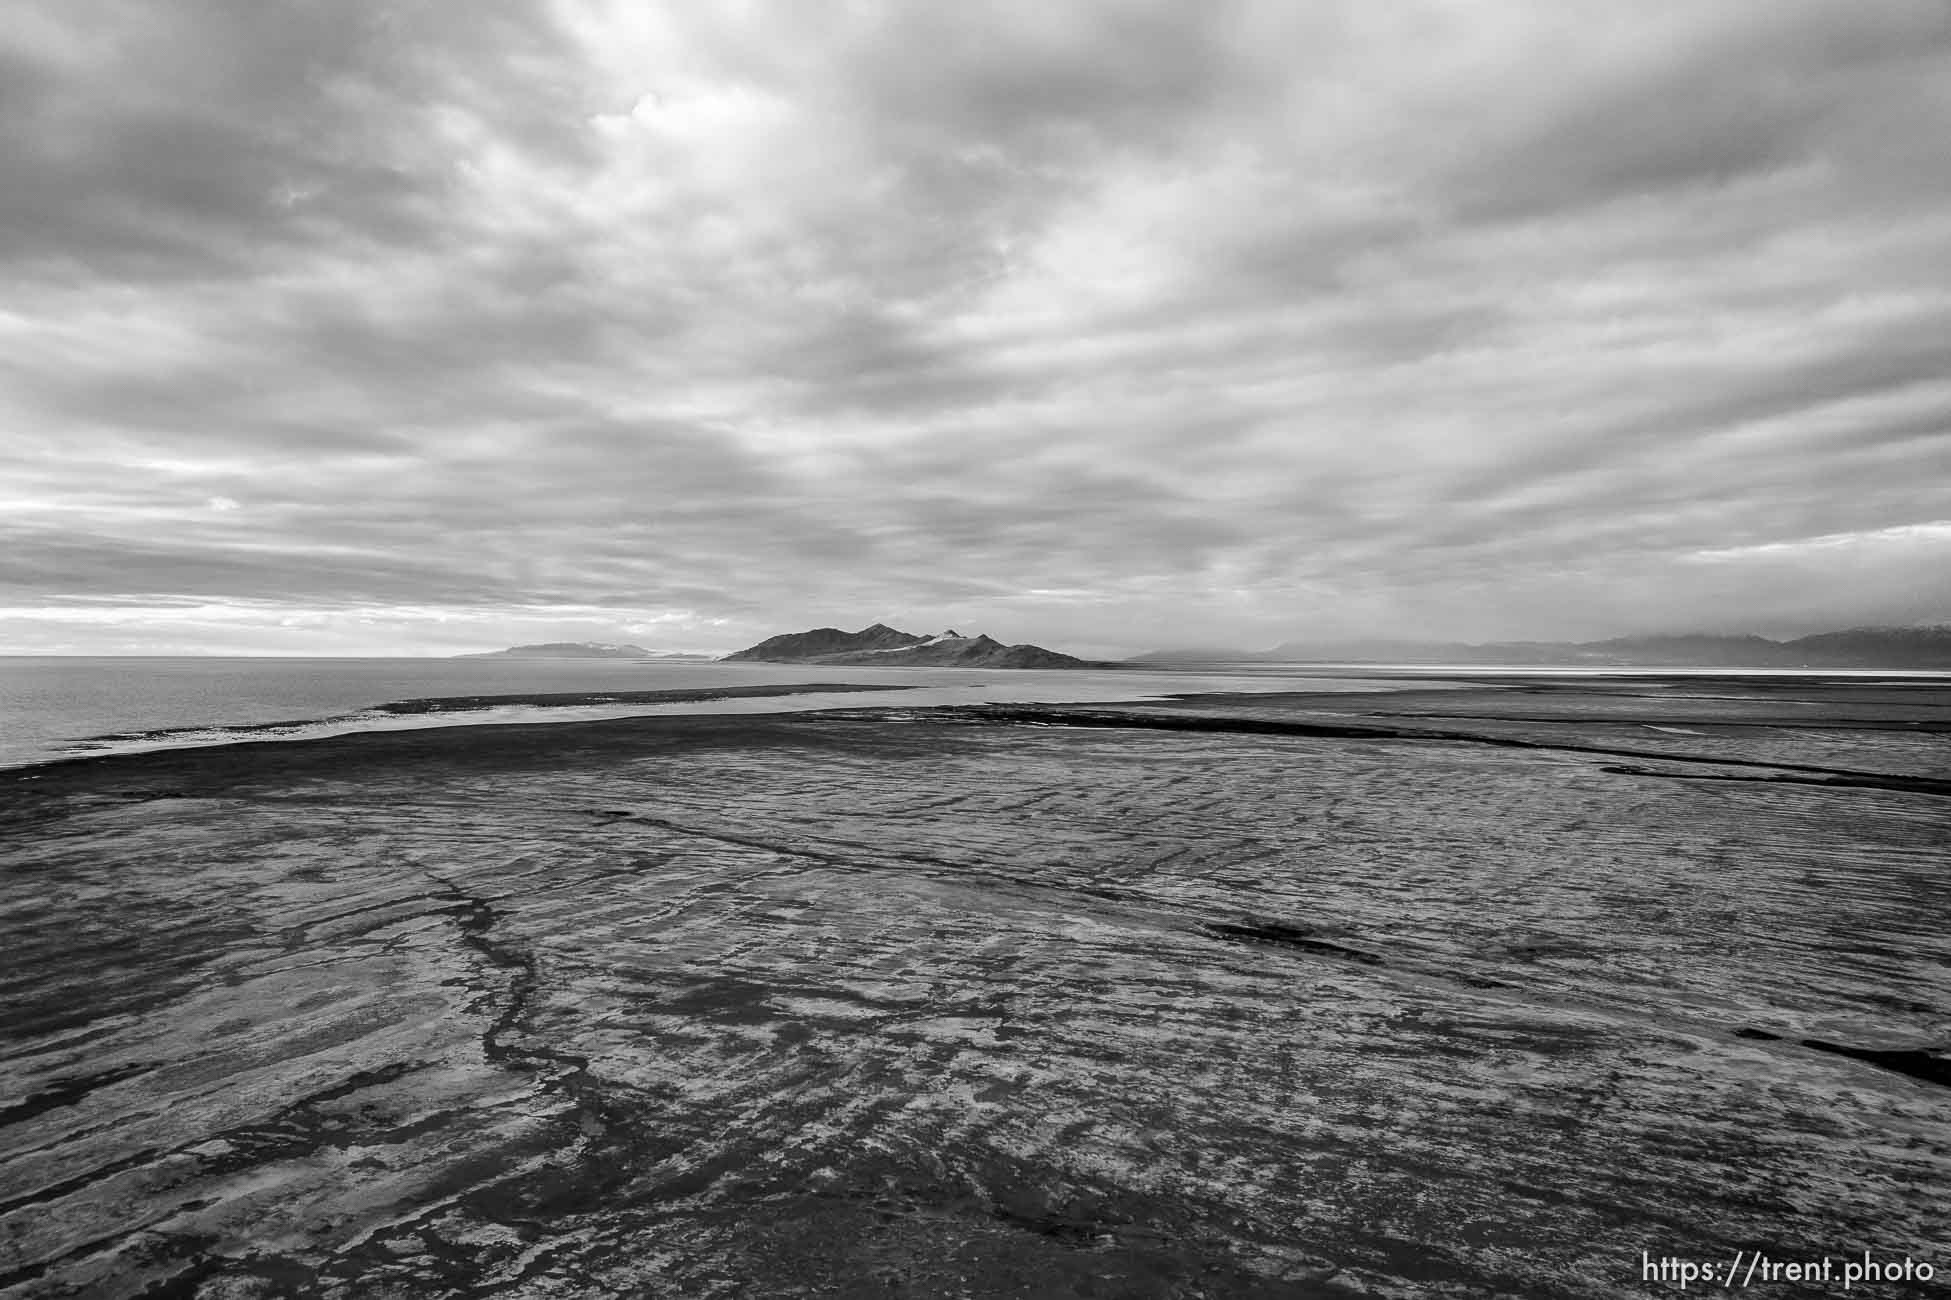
(1837, 780)
(1923, 1064)
(66, 1092)
(1280, 934)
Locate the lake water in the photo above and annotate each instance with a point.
(54, 707)
(59, 707)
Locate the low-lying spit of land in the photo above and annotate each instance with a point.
(1482, 991)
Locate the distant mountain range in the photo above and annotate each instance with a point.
(578, 650)
(881, 646)
(1861, 647)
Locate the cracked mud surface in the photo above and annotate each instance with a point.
(984, 1002)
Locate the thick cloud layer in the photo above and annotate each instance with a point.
(395, 326)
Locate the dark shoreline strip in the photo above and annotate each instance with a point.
(1825, 724)
(1063, 717)
(475, 703)
(32, 794)
(569, 699)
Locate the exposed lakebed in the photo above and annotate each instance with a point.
(1461, 992)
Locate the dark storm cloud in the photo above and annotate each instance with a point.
(210, 136)
(1101, 321)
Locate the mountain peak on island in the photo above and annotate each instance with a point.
(881, 646)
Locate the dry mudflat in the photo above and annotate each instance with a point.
(1466, 992)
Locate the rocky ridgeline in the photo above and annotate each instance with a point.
(881, 646)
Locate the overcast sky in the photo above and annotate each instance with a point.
(354, 326)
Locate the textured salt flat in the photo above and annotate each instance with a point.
(920, 1003)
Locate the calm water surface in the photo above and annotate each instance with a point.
(57, 707)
